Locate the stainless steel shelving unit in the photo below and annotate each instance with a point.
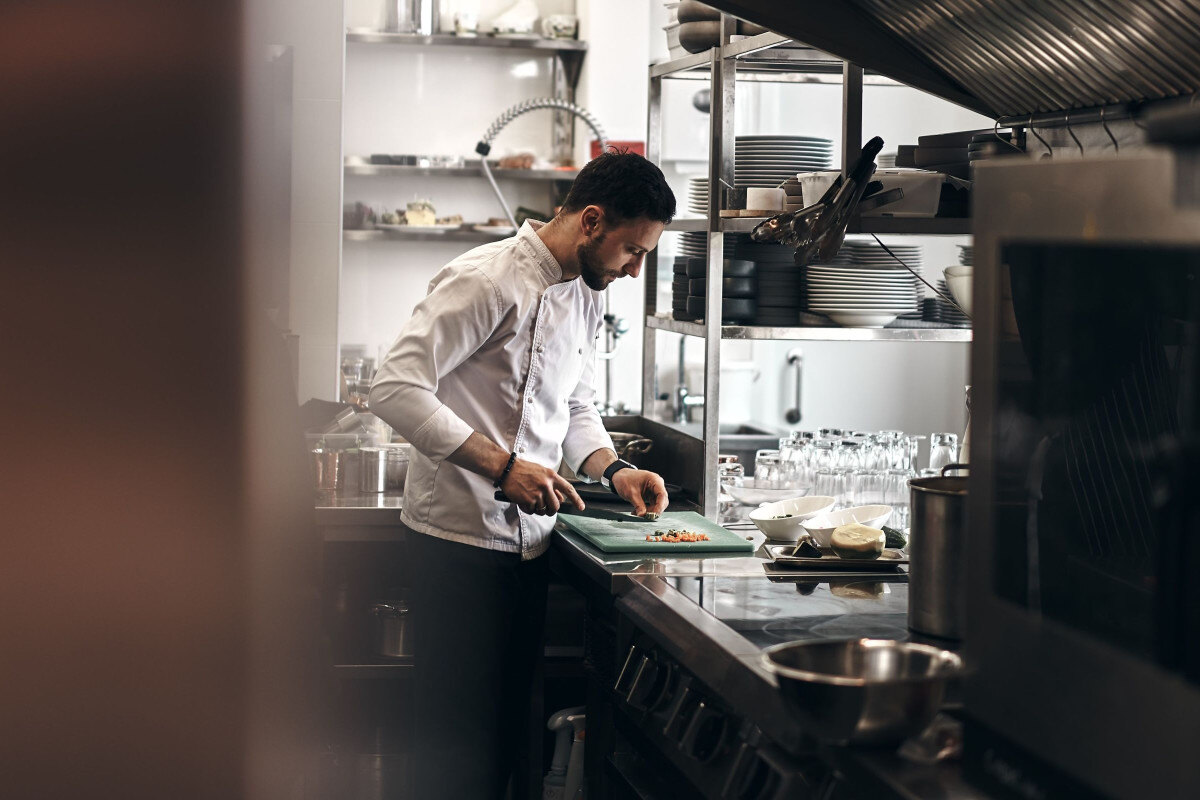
(567, 61)
(774, 333)
(419, 236)
(356, 165)
(768, 56)
(368, 36)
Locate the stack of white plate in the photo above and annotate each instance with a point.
(966, 254)
(860, 297)
(770, 160)
(698, 195)
(868, 253)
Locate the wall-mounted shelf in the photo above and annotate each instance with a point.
(916, 226)
(763, 332)
(356, 165)
(367, 36)
(420, 236)
(766, 56)
(400, 668)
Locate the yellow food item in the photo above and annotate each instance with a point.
(857, 541)
(421, 212)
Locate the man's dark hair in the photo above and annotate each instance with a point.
(625, 185)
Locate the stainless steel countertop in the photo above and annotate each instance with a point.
(349, 511)
(690, 606)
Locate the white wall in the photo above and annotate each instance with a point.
(314, 30)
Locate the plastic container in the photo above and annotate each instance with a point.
(922, 190)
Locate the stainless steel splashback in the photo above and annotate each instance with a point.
(1009, 57)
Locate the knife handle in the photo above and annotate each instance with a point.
(502, 497)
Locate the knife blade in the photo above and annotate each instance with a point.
(597, 513)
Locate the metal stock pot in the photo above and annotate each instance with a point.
(937, 554)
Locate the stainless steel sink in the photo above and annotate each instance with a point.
(739, 439)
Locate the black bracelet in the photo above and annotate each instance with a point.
(512, 459)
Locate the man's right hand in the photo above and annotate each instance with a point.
(538, 490)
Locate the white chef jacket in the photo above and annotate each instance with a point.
(500, 345)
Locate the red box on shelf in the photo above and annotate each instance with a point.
(632, 147)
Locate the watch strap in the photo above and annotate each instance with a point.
(611, 470)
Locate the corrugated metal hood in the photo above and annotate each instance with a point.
(1005, 57)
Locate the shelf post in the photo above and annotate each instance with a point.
(852, 105)
(720, 172)
(650, 284)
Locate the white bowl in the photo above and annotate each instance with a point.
(960, 290)
(821, 526)
(860, 319)
(788, 528)
(750, 495)
(958, 269)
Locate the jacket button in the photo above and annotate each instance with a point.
(541, 348)
(581, 351)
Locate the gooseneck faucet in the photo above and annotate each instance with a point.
(684, 399)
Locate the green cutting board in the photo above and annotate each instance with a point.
(630, 537)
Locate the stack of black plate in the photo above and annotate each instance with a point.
(938, 309)
(679, 290)
(738, 289)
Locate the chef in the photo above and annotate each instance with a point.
(491, 382)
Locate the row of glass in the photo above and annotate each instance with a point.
(854, 467)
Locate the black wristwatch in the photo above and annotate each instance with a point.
(613, 469)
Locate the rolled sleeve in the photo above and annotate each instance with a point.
(459, 313)
(585, 432)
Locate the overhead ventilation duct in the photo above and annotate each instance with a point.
(1006, 57)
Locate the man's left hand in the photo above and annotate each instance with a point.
(641, 488)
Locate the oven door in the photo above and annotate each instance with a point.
(1084, 365)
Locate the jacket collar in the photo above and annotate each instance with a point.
(548, 265)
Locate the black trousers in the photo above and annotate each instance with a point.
(478, 618)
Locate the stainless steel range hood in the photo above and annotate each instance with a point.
(1005, 57)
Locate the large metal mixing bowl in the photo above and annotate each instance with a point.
(862, 691)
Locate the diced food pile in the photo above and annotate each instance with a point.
(674, 535)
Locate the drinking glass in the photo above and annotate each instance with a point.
(729, 473)
(822, 455)
(766, 470)
(831, 483)
(868, 488)
(943, 450)
(896, 495)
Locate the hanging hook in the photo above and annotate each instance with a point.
(996, 133)
(1067, 120)
(1104, 124)
(1049, 149)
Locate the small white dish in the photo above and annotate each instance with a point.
(860, 320)
(821, 526)
(749, 494)
(788, 529)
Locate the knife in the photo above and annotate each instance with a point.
(596, 513)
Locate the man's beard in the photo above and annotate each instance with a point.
(590, 268)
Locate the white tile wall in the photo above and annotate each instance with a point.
(316, 162)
